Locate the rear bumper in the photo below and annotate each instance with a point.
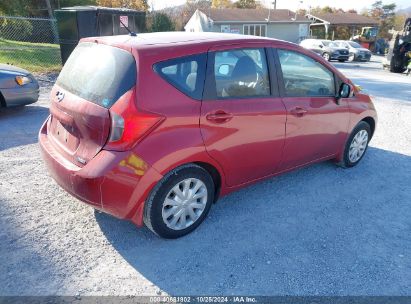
(114, 182)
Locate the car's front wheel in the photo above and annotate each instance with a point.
(356, 145)
(180, 201)
(326, 56)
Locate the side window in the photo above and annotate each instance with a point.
(186, 74)
(241, 73)
(303, 76)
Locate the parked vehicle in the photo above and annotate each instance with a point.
(169, 122)
(356, 51)
(326, 48)
(367, 38)
(17, 86)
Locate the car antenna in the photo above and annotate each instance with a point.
(130, 32)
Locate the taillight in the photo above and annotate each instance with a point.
(128, 124)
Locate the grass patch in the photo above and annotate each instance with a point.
(34, 57)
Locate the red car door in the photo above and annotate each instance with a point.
(242, 116)
(316, 122)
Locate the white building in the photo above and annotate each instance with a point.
(280, 24)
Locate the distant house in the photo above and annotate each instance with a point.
(353, 21)
(281, 23)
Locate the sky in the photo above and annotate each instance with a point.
(295, 4)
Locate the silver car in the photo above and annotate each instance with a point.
(357, 52)
(326, 48)
(17, 86)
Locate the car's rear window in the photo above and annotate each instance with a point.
(98, 73)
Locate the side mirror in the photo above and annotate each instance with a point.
(321, 46)
(344, 92)
(224, 69)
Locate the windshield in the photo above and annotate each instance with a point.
(325, 42)
(98, 73)
(355, 45)
(333, 44)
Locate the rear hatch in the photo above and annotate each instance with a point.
(94, 77)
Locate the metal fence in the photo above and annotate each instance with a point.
(30, 43)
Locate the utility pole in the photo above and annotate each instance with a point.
(269, 10)
(49, 9)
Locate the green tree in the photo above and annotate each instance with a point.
(37, 7)
(15, 29)
(399, 21)
(385, 13)
(68, 3)
(327, 9)
(322, 10)
(132, 4)
(341, 33)
(221, 4)
(16, 7)
(160, 22)
(245, 4)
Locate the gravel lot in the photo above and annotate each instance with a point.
(321, 230)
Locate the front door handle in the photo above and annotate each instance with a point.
(219, 116)
(298, 111)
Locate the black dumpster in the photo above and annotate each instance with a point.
(77, 22)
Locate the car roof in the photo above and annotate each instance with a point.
(148, 40)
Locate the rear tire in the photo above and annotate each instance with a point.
(356, 145)
(173, 210)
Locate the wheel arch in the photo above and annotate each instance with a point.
(371, 123)
(211, 168)
(368, 119)
(215, 175)
(2, 101)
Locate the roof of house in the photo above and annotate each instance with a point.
(344, 18)
(253, 15)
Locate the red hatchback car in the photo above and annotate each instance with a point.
(154, 128)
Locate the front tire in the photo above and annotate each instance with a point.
(327, 56)
(179, 202)
(356, 145)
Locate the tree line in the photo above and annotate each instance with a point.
(174, 18)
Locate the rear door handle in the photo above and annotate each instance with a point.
(219, 117)
(298, 111)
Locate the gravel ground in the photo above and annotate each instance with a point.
(321, 230)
